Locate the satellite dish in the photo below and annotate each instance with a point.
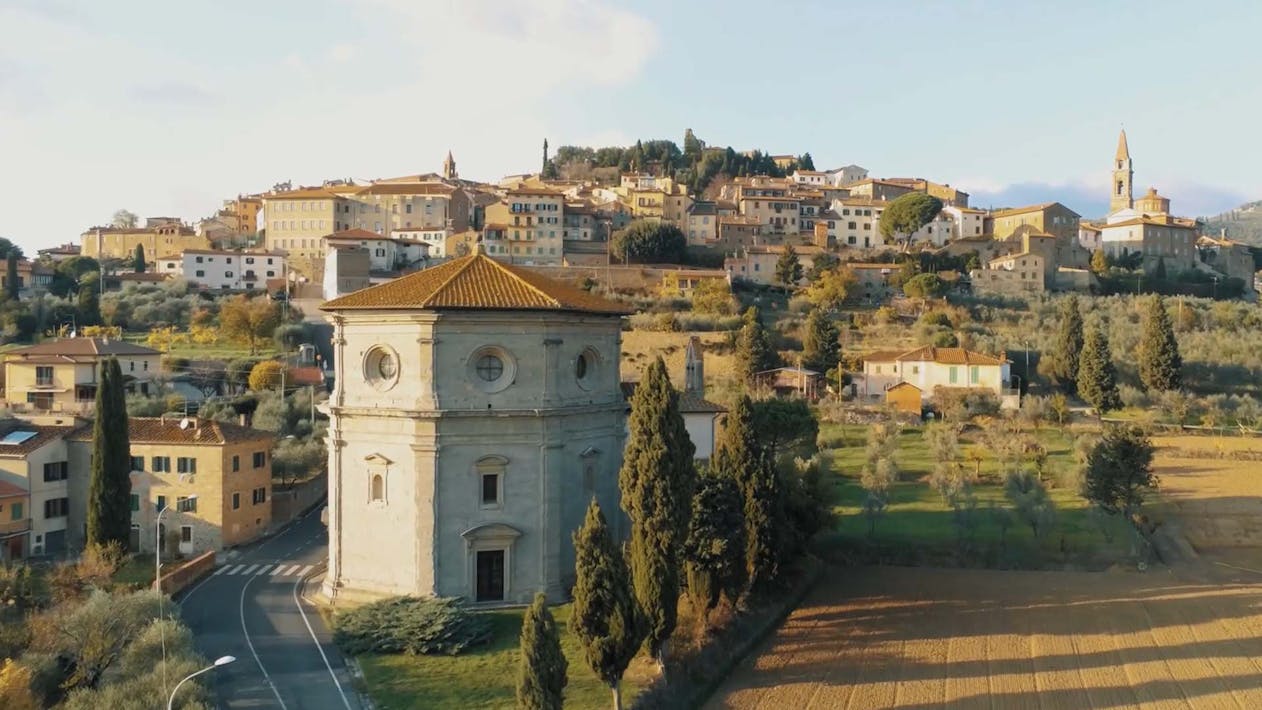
(186, 423)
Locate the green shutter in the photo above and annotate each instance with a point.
(972, 374)
(954, 374)
(135, 502)
(17, 511)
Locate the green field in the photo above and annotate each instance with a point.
(919, 527)
(486, 677)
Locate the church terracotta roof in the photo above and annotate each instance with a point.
(476, 282)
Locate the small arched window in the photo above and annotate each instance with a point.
(378, 488)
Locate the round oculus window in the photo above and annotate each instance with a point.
(490, 368)
(381, 367)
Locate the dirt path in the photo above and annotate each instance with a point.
(927, 638)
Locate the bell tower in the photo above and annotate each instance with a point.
(1121, 192)
(449, 167)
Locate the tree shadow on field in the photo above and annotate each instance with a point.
(895, 625)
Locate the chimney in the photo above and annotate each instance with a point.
(244, 419)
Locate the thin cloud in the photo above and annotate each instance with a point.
(171, 93)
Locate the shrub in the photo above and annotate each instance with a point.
(412, 625)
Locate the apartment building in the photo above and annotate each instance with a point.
(62, 375)
(966, 221)
(1046, 218)
(580, 222)
(214, 270)
(527, 226)
(159, 235)
(215, 477)
(1169, 239)
(701, 224)
(33, 278)
(34, 488)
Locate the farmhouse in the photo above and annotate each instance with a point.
(929, 368)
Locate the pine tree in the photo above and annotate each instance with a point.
(542, 678)
(656, 480)
(715, 549)
(1064, 360)
(109, 488)
(1159, 359)
(789, 268)
(821, 343)
(740, 457)
(753, 348)
(1097, 378)
(605, 617)
(11, 287)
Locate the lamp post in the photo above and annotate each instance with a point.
(221, 661)
(157, 583)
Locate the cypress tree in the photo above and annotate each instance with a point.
(605, 617)
(138, 259)
(821, 343)
(656, 480)
(715, 549)
(542, 678)
(1159, 359)
(1064, 360)
(109, 488)
(789, 268)
(1097, 378)
(740, 457)
(11, 276)
(89, 307)
(753, 348)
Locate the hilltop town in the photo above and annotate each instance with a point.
(437, 438)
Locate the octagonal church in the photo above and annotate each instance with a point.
(477, 409)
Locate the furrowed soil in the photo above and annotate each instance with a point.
(930, 638)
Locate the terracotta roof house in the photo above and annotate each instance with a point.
(930, 368)
(61, 375)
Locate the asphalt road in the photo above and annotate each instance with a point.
(252, 608)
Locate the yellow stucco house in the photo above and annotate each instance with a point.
(930, 368)
(61, 375)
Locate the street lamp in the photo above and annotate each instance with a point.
(221, 661)
(157, 583)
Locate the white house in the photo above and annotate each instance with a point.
(224, 270)
(701, 416)
(840, 177)
(816, 178)
(384, 253)
(966, 221)
(436, 239)
(931, 367)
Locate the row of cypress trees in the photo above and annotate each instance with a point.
(1082, 363)
(714, 534)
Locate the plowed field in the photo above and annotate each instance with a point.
(934, 638)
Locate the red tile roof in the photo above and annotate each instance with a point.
(476, 282)
(168, 430)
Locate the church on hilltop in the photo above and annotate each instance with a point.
(1144, 226)
(477, 410)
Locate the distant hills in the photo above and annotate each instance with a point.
(1243, 224)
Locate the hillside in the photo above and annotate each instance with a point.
(1243, 224)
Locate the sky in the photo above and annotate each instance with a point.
(167, 108)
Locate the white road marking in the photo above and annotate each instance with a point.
(345, 701)
(253, 652)
(235, 569)
(263, 570)
(221, 570)
(250, 570)
(290, 570)
(1242, 569)
(306, 570)
(277, 569)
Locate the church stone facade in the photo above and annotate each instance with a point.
(477, 410)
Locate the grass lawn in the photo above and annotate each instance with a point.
(219, 351)
(918, 525)
(486, 677)
(136, 572)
